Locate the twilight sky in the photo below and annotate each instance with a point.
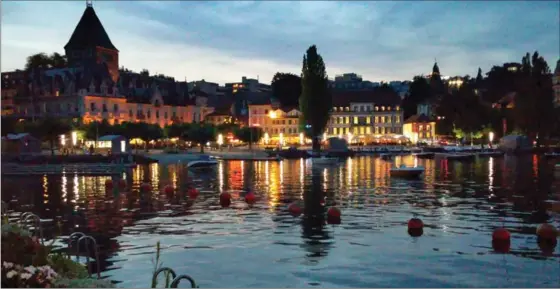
(222, 41)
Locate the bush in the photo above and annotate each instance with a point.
(67, 268)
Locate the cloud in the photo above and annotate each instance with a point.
(222, 41)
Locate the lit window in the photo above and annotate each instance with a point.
(397, 108)
(368, 120)
(347, 120)
(377, 108)
(355, 120)
(382, 108)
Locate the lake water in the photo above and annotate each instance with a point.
(264, 246)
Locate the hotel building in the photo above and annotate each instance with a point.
(93, 88)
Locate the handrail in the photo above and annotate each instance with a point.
(176, 281)
(164, 269)
(96, 252)
(38, 225)
(70, 239)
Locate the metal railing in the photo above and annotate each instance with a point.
(176, 279)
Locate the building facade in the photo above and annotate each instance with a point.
(92, 88)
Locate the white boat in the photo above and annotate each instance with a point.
(406, 172)
(203, 162)
(552, 155)
(324, 160)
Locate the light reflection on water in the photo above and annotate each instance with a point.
(263, 246)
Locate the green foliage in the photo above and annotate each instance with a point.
(67, 268)
(44, 61)
(286, 87)
(315, 101)
(201, 134)
(175, 130)
(249, 135)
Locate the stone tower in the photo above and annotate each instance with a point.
(90, 45)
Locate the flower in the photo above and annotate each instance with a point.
(25, 276)
(31, 269)
(11, 274)
(7, 265)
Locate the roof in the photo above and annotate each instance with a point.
(379, 96)
(89, 33)
(110, 137)
(418, 118)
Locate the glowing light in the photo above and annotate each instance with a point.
(123, 146)
(220, 140)
(266, 138)
(74, 136)
(349, 137)
(62, 140)
(301, 138)
(324, 136)
(490, 137)
(272, 114)
(281, 139)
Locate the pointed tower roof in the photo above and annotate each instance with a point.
(435, 69)
(89, 32)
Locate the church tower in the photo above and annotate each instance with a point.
(90, 45)
(436, 84)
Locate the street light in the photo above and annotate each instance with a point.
(490, 137)
(62, 140)
(301, 139)
(220, 140)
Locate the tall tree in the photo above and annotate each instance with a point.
(48, 129)
(418, 92)
(286, 87)
(315, 101)
(534, 112)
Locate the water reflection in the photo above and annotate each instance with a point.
(461, 203)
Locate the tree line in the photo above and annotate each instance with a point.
(50, 129)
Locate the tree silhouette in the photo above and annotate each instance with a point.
(315, 101)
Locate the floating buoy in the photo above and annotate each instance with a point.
(225, 200)
(193, 193)
(547, 231)
(108, 184)
(250, 198)
(501, 234)
(333, 215)
(415, 227)
(122, 184)
(168, 190)
(145, 187)
(294, 209)
(415, 223)
(501, 240)
(547, 236)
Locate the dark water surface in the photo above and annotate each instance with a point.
(264, 246)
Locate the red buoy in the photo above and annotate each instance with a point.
(108, 184)
(122, 184)
(415, 223)
(501, 234)
(168, 189)
(333, 215)
(294, 209)
(193, 193)
(225, 199)
(547, 231)
(250, 198)
(145, 187)
(333, 212)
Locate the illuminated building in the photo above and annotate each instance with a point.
(420, 128)
(365, 116)
(92, 88)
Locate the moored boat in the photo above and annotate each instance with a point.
(324, 160)
(407, 172)
(203, 162)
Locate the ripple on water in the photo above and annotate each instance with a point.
(263, 246)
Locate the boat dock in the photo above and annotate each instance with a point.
(12, 169)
